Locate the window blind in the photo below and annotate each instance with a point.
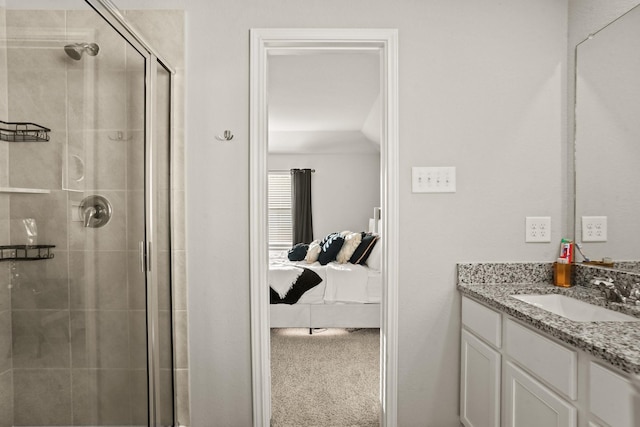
(279, 210)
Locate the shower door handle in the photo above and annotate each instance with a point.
(148, 256)
(141, 250)
(144, 249)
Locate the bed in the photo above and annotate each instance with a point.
(325, 295)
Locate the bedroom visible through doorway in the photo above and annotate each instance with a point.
(325, 102)
(324, 178)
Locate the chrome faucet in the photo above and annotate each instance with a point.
(95, 211)
(617, 292)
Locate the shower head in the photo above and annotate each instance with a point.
(76, 50)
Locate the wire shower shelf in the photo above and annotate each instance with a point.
(25, 252)
(23, 132)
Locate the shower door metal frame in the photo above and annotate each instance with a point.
(108, 11)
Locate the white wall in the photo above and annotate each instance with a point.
(345, 188)
(482, 87)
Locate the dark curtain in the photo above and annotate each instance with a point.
(301, 205)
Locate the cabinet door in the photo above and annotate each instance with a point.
(611, 397)
(528, 403)
(479, 383)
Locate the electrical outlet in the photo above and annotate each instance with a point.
(538, 229)
(594, 228)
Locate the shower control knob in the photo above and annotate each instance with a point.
(95, 211)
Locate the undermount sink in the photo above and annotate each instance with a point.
(574, 309)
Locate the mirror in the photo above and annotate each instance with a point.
(607, 141)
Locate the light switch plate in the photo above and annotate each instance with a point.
(433, 179)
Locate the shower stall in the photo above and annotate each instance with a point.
(86, 314)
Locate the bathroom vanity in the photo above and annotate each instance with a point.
(522, 365)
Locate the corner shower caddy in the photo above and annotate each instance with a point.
(26, 252)
(23, 132)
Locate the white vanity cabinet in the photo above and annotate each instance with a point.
(480, 366)
(510, 372)
(511, 375)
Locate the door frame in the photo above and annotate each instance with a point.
(262, 41)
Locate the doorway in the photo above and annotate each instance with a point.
(269, 41)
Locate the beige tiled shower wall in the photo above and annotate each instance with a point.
(6, 371)
(164, 31)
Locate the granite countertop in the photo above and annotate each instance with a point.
(616, 343)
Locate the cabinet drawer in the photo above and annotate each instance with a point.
(611, 397)
(483, 321)
(550, 361)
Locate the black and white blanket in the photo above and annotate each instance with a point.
(288, 283)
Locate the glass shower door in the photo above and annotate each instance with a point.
(106, 182)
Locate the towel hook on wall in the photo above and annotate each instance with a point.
(226, 136)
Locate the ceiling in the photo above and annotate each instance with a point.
(322, 102)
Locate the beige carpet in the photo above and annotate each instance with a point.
(328, 379)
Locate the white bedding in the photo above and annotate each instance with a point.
(341, 283)
(346, 283)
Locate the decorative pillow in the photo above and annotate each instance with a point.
(298, 252)
(312, 252)
(329, 248)
(374, 261)
(351, 243)
(307, 280)
(364, 249)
